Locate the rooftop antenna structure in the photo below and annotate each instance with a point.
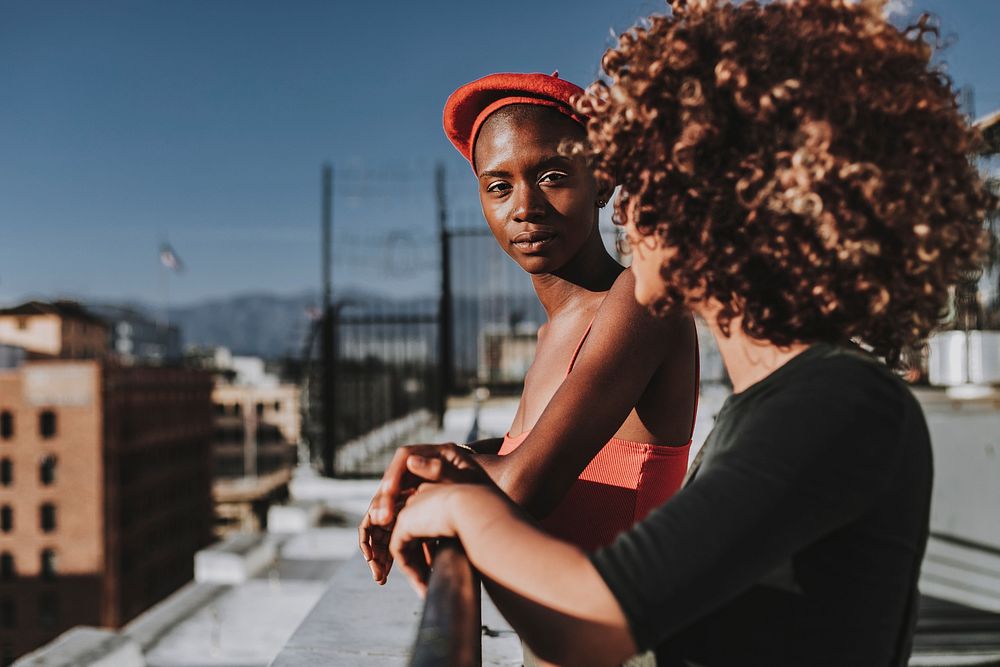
(328, 352)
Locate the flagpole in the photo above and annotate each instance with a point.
(169, 261)
(165, 294)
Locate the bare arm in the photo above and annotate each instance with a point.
(548, 590)
(626, 347)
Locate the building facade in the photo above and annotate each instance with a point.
(61, 329)
(134, 338)
(105, 493)
(258, 425)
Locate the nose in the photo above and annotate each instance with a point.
(529, 203)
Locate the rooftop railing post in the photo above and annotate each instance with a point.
(446, 364)
(328, 344)
(450, 633)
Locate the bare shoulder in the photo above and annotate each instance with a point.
(622, 310)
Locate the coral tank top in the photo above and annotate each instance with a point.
(619, 487)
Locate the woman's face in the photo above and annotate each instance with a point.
(540, 205)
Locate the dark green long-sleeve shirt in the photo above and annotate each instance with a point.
(799, 538)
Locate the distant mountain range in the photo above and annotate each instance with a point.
(263, 325)
(273, 326)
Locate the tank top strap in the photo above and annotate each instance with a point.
(579, 346)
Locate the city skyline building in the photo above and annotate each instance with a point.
(61, 329)
(105, 493)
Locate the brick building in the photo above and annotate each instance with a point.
(105, 493)
(62, 329)
(258, 423)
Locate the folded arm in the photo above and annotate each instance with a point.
(547, 589)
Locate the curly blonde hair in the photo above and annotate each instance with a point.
(808, 164)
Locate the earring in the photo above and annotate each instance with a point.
(601, 203)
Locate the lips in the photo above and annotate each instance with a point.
(532, 241)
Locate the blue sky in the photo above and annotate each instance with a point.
(205, 122)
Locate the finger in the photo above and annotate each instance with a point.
(428, 553)
(415, 577)
(425, 468)
(381, 559)
(400, 549)
(459, 457)
(382, 509)
(452, 464)
(416, 561)
(366, 550)
(386, 566)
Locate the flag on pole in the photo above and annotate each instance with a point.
(170, 259)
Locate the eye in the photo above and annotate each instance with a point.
(552, 176)
(498, 187)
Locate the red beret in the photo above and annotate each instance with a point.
(470, 105)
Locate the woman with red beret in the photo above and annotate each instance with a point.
(602, 431)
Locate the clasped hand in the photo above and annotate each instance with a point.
(413, 469)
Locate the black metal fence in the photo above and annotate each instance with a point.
(433, 307)
(384, 368)
(495, 313)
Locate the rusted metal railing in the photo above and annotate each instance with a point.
(450, 629)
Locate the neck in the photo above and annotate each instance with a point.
(591, 271)
(748, 360)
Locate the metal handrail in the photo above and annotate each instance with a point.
(450, 629)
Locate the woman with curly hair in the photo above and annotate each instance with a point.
(796, 173)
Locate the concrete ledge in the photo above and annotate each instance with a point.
(359, 624)
(356, 623)
(962, 574)
(296, 517)
(154, 623)
(234, 560)
(86, 646)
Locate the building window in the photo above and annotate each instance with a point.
(277, 406)
(47, 516)
(260, 409)
(7, 569)
(47, 423)
(47, 565)
(6, 518)
(22, 323)
(237, 409)
(47, 470)
(8, 614)
(6, 472)
(6, 425)
(48, 609)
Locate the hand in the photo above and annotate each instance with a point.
(411, 466)
(427, 515)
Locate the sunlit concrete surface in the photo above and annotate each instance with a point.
(235, 559)
(246, 625)
(86, 646)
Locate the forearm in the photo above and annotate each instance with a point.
(547, 589)
(535, 493)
